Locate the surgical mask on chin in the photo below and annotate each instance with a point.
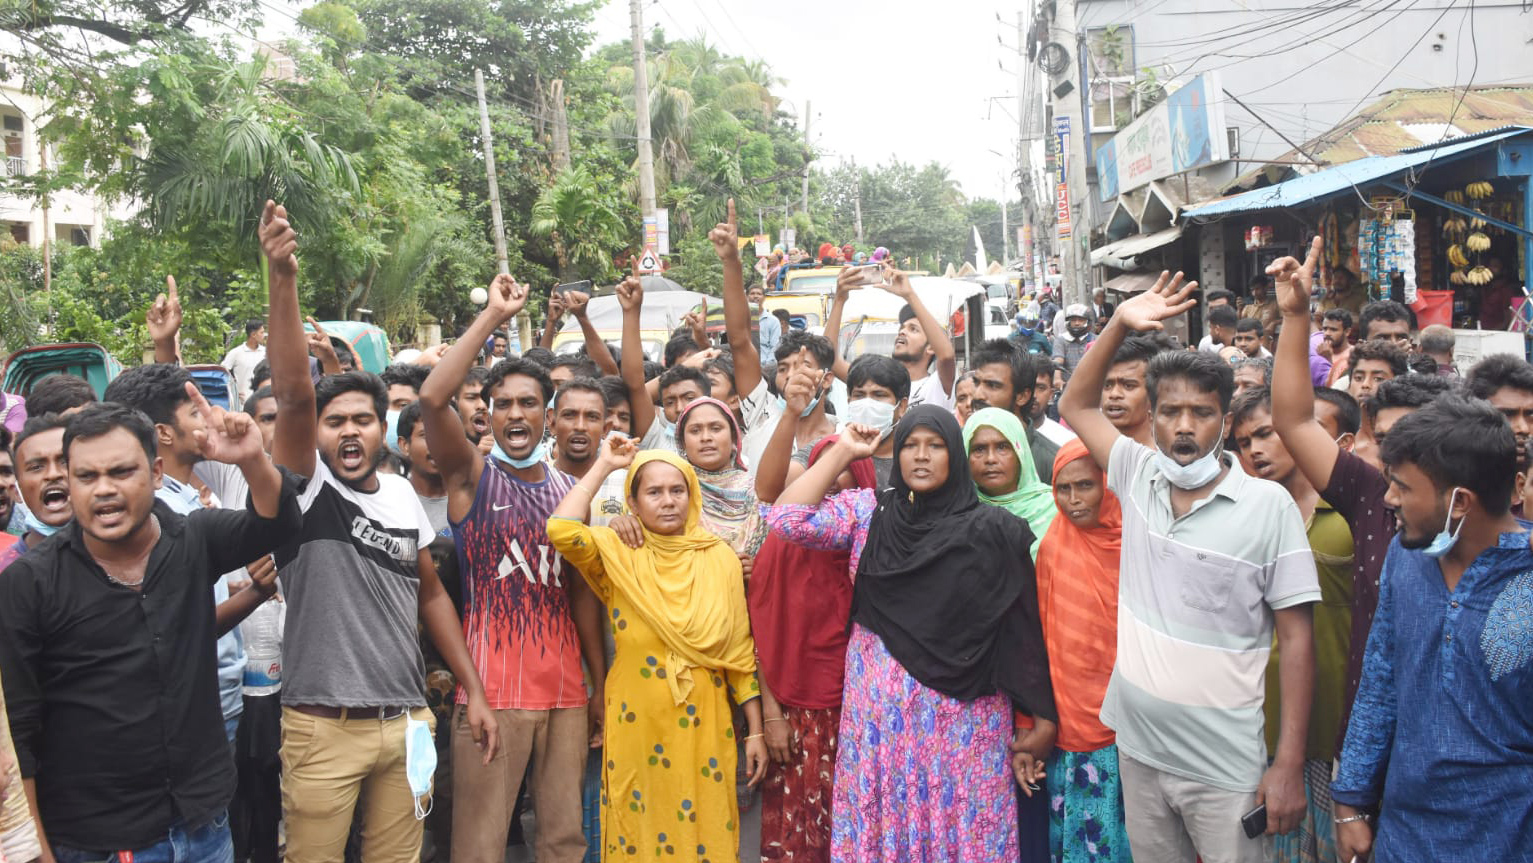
(36, 526)
(538, 453)
(871, 412)
(391, 436)
(420, 763)
(1197, 474)
(813, 404)
(1444, 541)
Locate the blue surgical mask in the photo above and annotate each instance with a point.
(1199, 473)
(1445, 541)
(538, 454)
(871, 412)
(38, 527)
(391, 436)
(420, 763)
(812, 405)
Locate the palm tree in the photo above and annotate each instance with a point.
(582, 223)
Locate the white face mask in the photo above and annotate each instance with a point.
(1199, 473)
(871, 412)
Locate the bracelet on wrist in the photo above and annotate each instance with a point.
(776, 719)
(754, 736)
(1351, 818)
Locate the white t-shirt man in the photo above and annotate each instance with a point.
(928, 391)
(241, 361)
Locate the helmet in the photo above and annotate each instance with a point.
(1077, 310)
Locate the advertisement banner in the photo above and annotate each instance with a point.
(651, 233)
(663, 231)
(1062, 209)
(1061, 149)
(1184, 132)
(763, 245)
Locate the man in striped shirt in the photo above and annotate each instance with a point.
(1213, 562)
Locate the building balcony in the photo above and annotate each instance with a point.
(15, 166)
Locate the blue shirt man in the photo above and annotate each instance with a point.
(1441, 735)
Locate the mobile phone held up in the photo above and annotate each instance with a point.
(583, 286)
(1255, 821)
(870, 274)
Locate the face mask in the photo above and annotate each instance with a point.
(538, 453)
(871, 412)
(420, 763)
(1077, 331)
(812, 405)
(38, 527)
(392, 434)
(1196, 475)
(1444, 541)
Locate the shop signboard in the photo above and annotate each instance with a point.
(1184, 132)
(1062, 209)
(1061, 149)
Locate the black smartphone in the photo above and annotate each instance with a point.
(583, 286)
(1255, 821)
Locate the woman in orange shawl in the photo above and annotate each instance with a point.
(1078, 604)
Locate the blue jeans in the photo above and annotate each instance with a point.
(209, 843)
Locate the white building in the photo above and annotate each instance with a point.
(74, 218)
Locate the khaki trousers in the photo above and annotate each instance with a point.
(484, 795)
(327, 765)
(1178, 820)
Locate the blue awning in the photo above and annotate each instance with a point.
(1341, 179)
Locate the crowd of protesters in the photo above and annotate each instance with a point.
(1269, 598)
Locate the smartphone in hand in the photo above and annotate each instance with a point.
(1255, 821)
(583, 286)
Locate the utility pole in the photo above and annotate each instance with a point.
(1004, 230)
(502, 260)
(641, 112)
(1071, 129)
(857, 199)
(1024, 149)
(808, 155)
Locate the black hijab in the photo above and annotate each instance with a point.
(948, 584)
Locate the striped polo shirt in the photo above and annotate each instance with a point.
(1195, 622)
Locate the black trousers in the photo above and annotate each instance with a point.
(257, 805)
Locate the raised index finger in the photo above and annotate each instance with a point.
(731, 210)
(198, 400)
(170, 286)
(1313, 258)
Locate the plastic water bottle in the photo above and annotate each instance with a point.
(262, 632)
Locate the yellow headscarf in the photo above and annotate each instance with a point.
(687, 587)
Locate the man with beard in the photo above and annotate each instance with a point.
(1043, 394)
(358, 578)
(1005, 378)
(1192, 759)
(529, 620)
(42, 478)
(127, 752)
(1334, 328)
(1263, 455)
(1446, 702)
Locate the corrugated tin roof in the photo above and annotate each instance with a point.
(1122, 253)
(1403, 120)
(1339, 179)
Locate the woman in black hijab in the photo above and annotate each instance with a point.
(945, 642)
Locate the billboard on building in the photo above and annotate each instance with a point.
(1182, 133)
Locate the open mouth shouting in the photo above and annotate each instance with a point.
(110, 514)
(351, 455)
(479, 423)
(55, 500)
(518, 438)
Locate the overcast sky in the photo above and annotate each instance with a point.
(882, 82)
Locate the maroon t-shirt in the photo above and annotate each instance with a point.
(1357, 492)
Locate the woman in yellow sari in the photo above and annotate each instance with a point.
(677, 610)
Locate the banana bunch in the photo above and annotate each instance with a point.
(1477, 223)
(1480, 189)
(1455, 226)
(1458, 277)
(1454, 196)
(1477, 242)
(1456, 256)
(1479, 276)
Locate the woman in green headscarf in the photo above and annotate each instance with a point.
(1002, 465)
